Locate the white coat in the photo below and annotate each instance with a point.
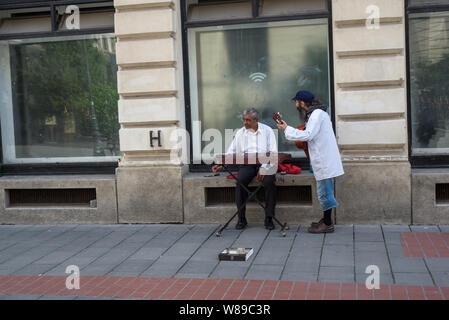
(323, 149)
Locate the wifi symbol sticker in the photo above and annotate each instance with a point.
(257, 76)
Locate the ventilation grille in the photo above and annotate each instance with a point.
(51, 197)
(442, 192)
(285, 195)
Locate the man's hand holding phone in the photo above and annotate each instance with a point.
(282, 125)
(279, 122)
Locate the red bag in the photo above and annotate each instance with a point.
(289, 168)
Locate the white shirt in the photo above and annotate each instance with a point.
(323, 149)
(247, 141)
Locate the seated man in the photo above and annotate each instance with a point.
(254, 137)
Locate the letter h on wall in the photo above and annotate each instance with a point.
(158, 138)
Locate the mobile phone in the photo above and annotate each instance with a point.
(277, 117)
(213, 175)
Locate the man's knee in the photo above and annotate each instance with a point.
(245, 175)
(244, 181)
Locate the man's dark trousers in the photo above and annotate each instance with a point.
(245, 175)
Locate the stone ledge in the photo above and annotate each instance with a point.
(196, 211)
(379, 116)
(29, 179)
(304, 178)
(369, 53)
(104, 213)
(432, 171)
(362, 22)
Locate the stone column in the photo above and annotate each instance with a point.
(371, 111)
(151, 110)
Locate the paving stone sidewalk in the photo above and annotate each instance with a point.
(406, 256)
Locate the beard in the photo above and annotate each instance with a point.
(302, 115)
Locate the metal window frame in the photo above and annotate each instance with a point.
(425, 8)
(17, 4)
(430, 161)
(301, 162)
(8, 5)
(53, 168)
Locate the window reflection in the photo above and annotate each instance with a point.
(60, 99)
(429, 79)
(258, 65)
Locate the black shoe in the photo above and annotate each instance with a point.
(269, 223)
(241, 224)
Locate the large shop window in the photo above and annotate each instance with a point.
(234, 66)
(429, 82)
(58, 92)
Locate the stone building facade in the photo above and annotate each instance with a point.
(160, 49)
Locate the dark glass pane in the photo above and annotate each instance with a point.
(426, 2)
(67, 17)
(29, 20)
(60, 100)
(291, 7)
(87, 16)
(218, 10)
(429, 82)
(255, 65)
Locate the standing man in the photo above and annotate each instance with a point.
(323, 151)
(254, 137)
